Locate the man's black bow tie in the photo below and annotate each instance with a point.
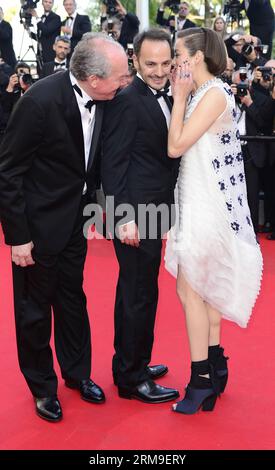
(60, 64)
(162, 93)
(90, 104)
(69, 18)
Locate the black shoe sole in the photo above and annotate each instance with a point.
(134, 397)
(93, 401)
(51, 420)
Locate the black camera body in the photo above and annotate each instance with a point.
(25, 15)
(266, 73)
(247, 48)
(242, 89)
(174, 5)
(225, 79)
(130, 53)
(111, 7)
(233, 8)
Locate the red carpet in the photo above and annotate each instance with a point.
(243, 417)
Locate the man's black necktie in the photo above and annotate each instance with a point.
(164, 94)
(89, 103)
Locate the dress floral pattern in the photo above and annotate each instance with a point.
(213, 241)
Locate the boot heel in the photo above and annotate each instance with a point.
(209, 403)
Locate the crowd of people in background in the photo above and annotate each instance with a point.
(250, 72)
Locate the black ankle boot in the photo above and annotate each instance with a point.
(219, 362)
(200, 392)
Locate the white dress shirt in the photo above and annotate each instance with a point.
(70, 23)
(162, 103)
(87, 120)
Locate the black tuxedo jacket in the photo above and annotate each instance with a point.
(165, 22)
(46, 34)
(48, 69)
(6, 47)
(42, 166)
(260, 12)
(135, 166)
(82, 25)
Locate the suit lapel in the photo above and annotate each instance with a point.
(96, 133)
(73, 119)
(152, 107)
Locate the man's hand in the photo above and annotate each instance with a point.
(21, 255)
(13, 81)
(66, 30)
(34, 13)
(129, 234)
(120, 8)
(246, 100)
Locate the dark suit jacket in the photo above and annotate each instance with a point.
(42, 166)
(82, 25)
(47, 69)
(165, 21)
(257, 124)
(135, 166)
(6, 47)
(47, 32)
(260, 12)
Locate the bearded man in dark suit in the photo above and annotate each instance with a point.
(136, 171)
(47, 175)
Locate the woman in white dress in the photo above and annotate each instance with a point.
(212, 249)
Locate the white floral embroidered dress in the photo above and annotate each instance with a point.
(213, 241)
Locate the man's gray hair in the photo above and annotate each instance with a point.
(90, 58)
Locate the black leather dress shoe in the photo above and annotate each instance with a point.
(89, 391)
(154, 372)
(48, 408)
(149, 392)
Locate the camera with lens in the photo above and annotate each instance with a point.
(266, 73)
(247, 48)
(242, 89)
(225, 78)
(232, 8)
(130, 53)
(111, 7)
(25, 15)
(173, 5)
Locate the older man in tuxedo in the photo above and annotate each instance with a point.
(48, 164)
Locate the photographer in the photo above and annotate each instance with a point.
(48, 28)
(129, 21)
(261, 18)
(6, 47)
(19, 82)
(75, 25)
(250, 122)
(245, 51)
(266, 81)
(183, 12)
